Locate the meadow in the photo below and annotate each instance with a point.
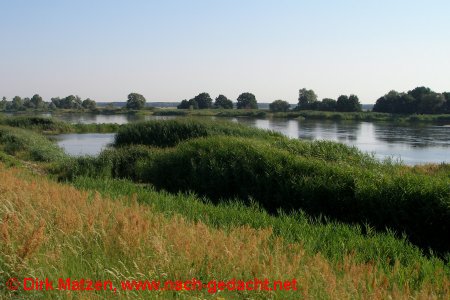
(216, 200)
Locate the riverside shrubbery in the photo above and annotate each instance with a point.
(29, 145)
(226, 161)
(171, 132)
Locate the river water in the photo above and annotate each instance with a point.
(410, 143)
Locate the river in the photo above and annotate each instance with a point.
(410, 143)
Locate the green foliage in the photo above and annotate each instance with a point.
(223, 102)
(247, 101)
(168, 133)
(327, 105)
(29, 145)
(203, 100)
(279, 106)
(225, 167)
(135, 101)
(89, 104)
(348, 104)
(306, 99)
(333, 240)
(421, 100)
(37, 123)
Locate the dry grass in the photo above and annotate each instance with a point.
(51, 230)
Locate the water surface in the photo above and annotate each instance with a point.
(410, 143)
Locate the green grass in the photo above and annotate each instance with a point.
(333, 239)
(168, 133)
(28, 145)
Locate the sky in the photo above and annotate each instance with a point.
(170, 50)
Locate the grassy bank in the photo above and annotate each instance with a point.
(55, 126)
(123, 229)
(367, 116)
(69, 233)
(225, 161)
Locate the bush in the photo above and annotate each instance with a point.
(225, 167)
(29, 145)
(37, 123)
(169, 133)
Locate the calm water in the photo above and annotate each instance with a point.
(84, 144)
(413, 144)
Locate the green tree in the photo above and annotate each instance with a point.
(223, 102)
(327, 104)
(27, 103)
(89, 104)
(348, 104)
(279, 105)
(135, 101)
(447, 102)
(247, 101)
(37, 101)
(432, 103)
(420, 92)
(17, 103)
(203, 100)
(3, 103)
(191, 104)
(306, 99)
(52, 106)
(183, 105)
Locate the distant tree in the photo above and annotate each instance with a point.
(223, 102)
(27, 103)
(3, 103)
(183, 105)
(420, 92)
(247, 101)
(188, 104)
(203, 100)
(69, 102)
(193, 104)
(135, 101)
(37, 101)
(327, 104)
(306, 99)
(447, 102)
(432, 103)
(279, 106)
(348, 104)
(52, 106)
(89, 104)
(56, 101)
(17, 103)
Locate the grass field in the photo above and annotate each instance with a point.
(70, 233)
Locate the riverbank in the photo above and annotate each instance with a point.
(112, 210)
(368, 116)
(310, 115)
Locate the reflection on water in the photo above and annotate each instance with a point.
(413, 144)
(85, 143)
(87, 118)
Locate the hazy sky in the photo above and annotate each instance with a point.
(170, 50)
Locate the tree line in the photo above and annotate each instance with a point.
(37, 103)
(135, 102)
(421, 100)
(204, 101)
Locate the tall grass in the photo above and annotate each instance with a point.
(54, 126)
(69, 233)
(168, 133)
(29, 145)
(41, 124)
